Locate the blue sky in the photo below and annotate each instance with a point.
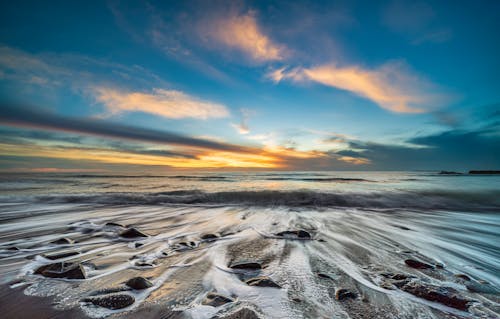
(347, 85)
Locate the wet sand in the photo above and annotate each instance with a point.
(199, 261)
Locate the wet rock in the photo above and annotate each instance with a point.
(62, 270)
(13, 248)
(209, 237)
(112, 224)
(137, 245)
(215, 300)
(262, 281)
(247, 265)
(463, 276)
(183, 246)
(321, 240)
(417, 264)
(325, 276)
(139, 283)
(243, 313)
(294, 234)
(484, 288)
(343, 294)
(400, 283)
(386, 285)
(141, 263)
(439, 265)
(61, 255)
(62, 241)
(297, 300)
(116, 301)
(443, 295)
(132, 233)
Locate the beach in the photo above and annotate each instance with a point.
(250, 245)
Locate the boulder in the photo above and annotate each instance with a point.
(62, 270)
(139, 283)
(132, 233)
(262, 281)
(62, 241)
(215, 300)
(247, 265)
(294, 234)
(115, 301)
(417, 264)
(343, 294)
(443, 295)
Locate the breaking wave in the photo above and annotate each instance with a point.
(438, 199)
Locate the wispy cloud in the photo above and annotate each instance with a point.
(392, 86)
(243, 127)
(242, 32)
(167, 103)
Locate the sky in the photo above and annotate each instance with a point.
(145, 86)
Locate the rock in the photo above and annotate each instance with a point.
(417, 264)
(243, 313)
(262, 281)
(443, 295)
(484, 172)
(132, 233)
(137, 245)
(294, 234)
(13, 248)
(463, 276)
(484, 288)
(321, 240)
(62, 270)
(449, 173)
(62, 241)
(209, 237)
(343, 294)
(182, 246)
(112, 224)
(402, 227)
(297, 300)
(248, 265)
(61, 255)
(139, 283)
(215, 300)
(115, 301)
(322, 275)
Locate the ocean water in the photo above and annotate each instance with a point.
(363, 225)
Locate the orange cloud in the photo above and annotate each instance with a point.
(167, 103)
(242, 32)
(354, 160)
(391, 86)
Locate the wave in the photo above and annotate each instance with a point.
(438, 199)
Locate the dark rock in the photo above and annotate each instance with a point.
(215, 300)
(322, 275)
(243, 313)
(248, 265)
(449, 173)
(61, 255)
(13, 248)
(439, 265)
(343, 294)
(132, 233)
(294, 234)
(402, 227)
(137, 245)
(182, 246)
(209, 237)
(484, 172)
(62, 270)
(116, 301)
(443, 295)
(463, 276)
(62, 241)
(141, 263)
(321, 240)
(139, 283)
(417, 264)
(297, 300)
(112, 224)
(262, 281)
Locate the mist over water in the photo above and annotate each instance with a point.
(363, 226)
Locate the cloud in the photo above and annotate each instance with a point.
(392, 86)
(167, 103)
(241, 32)
(242, 127)
(19, 116)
